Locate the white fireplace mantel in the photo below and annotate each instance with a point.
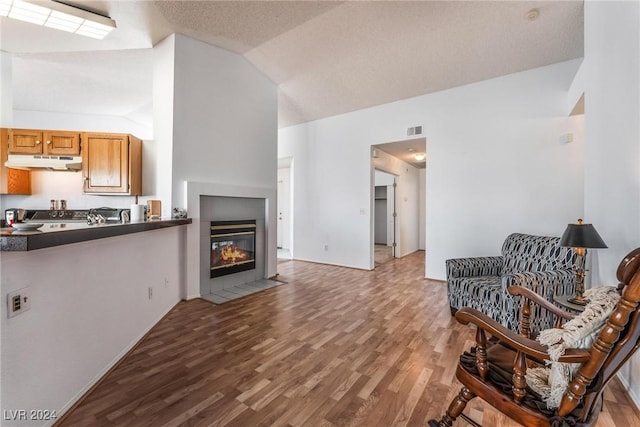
(193, 191)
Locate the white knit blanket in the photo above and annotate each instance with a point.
(551, 381)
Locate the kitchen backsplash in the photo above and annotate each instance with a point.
(47, 185)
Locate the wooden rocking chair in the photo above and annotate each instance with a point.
(494, 369)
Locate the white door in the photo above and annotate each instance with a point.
(280, 228)
(391, 217)
(284, 208)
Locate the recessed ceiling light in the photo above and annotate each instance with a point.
(420, 156)
(60, 16)
(533, 14)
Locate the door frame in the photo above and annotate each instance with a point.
(396, 224)
(287, 163)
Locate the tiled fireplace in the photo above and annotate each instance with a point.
(223, 205)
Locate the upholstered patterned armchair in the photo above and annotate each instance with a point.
(534, 262)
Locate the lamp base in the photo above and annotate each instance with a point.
(578, 299)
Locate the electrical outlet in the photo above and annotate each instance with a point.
(150, 292)
(326, 247)
(18, 301)
(166, 282)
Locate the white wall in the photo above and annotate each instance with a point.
(82, 122)
(612, 141)
(223, 134)
(284, 206)
(163, 93)
(495, 167)
(382, 178)
(6, 92)
(224, 119)
(89, 306)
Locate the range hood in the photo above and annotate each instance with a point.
(38, 161)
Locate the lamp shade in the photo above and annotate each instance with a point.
(581, 236)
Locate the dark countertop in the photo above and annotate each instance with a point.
(58, 234)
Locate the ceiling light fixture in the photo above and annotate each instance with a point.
(420, 157)
(60, 16)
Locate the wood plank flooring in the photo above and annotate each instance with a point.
(332, 347)
(382, 254)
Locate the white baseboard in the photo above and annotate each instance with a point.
(634, 397)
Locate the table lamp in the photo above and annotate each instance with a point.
(581, 236)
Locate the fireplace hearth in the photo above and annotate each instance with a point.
(233, 247)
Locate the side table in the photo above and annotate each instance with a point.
(562, 300)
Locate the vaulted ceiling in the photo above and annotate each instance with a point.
(327, 58)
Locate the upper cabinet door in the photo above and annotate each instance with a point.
(62, 143)
(105, 163)
(23, 141)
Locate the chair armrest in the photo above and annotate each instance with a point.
(534, 297)
(528, 346)
(475, 266)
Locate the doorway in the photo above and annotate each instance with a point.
(405, 161)
(284, 207)
(384, 217)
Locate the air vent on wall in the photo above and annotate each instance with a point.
(416, 130)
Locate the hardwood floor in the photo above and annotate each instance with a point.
(334, 346)
(382, 254)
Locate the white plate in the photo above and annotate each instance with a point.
(26, 226)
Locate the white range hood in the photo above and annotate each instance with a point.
(38, 161)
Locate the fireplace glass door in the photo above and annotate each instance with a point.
(233, 247)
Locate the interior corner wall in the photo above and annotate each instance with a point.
(6, 92)
(224, 119)
(612, 142)
(495, 166)
(612, 131)
(163, 105)
(224, 115)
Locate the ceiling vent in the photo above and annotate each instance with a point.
(416, 130)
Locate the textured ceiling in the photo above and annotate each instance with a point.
(327, 58)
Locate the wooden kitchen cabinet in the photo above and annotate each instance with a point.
(52, 143)
(12, 181)
(111, 164)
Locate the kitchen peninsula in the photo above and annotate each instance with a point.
(57, 234)
(94, 292)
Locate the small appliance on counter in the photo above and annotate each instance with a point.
(109, 215)
(96, 215)
(14, 215)
(78, 215)
(154, 209)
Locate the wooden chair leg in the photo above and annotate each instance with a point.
(455, 409)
